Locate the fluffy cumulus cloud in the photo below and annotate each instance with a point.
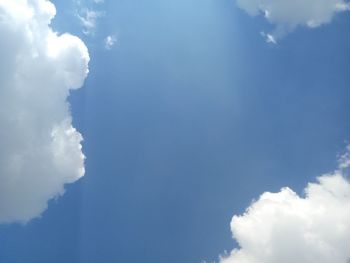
(288, 14)
(284, 227)
(40, 150)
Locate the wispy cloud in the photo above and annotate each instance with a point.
(88, 19)
(289, 14)
(88, 16)
(269, 38)
(110, 41)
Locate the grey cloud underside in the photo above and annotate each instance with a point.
(40, 150)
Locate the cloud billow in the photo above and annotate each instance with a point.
(284, 227)
(40, 150)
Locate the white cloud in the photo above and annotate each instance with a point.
(284, 227)
(109, 42)
(269, 38)
(288, 14)
(40, 150)
(88, 16)
(88, 19)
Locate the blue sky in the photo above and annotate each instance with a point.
(186, 119)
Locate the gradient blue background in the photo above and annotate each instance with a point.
(189, 117)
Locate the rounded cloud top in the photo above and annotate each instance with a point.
(284, 227)
(40, 150)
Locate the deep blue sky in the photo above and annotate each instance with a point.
(186, 120)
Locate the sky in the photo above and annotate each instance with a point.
(174, 131)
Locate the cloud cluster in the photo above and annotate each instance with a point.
(40, 150)
(288, 14)
(284, 227)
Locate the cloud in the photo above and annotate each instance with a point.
(109, 42)
(269, 38)
(284, 227)
(289, 14)
(40, 150)
(88, 19)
